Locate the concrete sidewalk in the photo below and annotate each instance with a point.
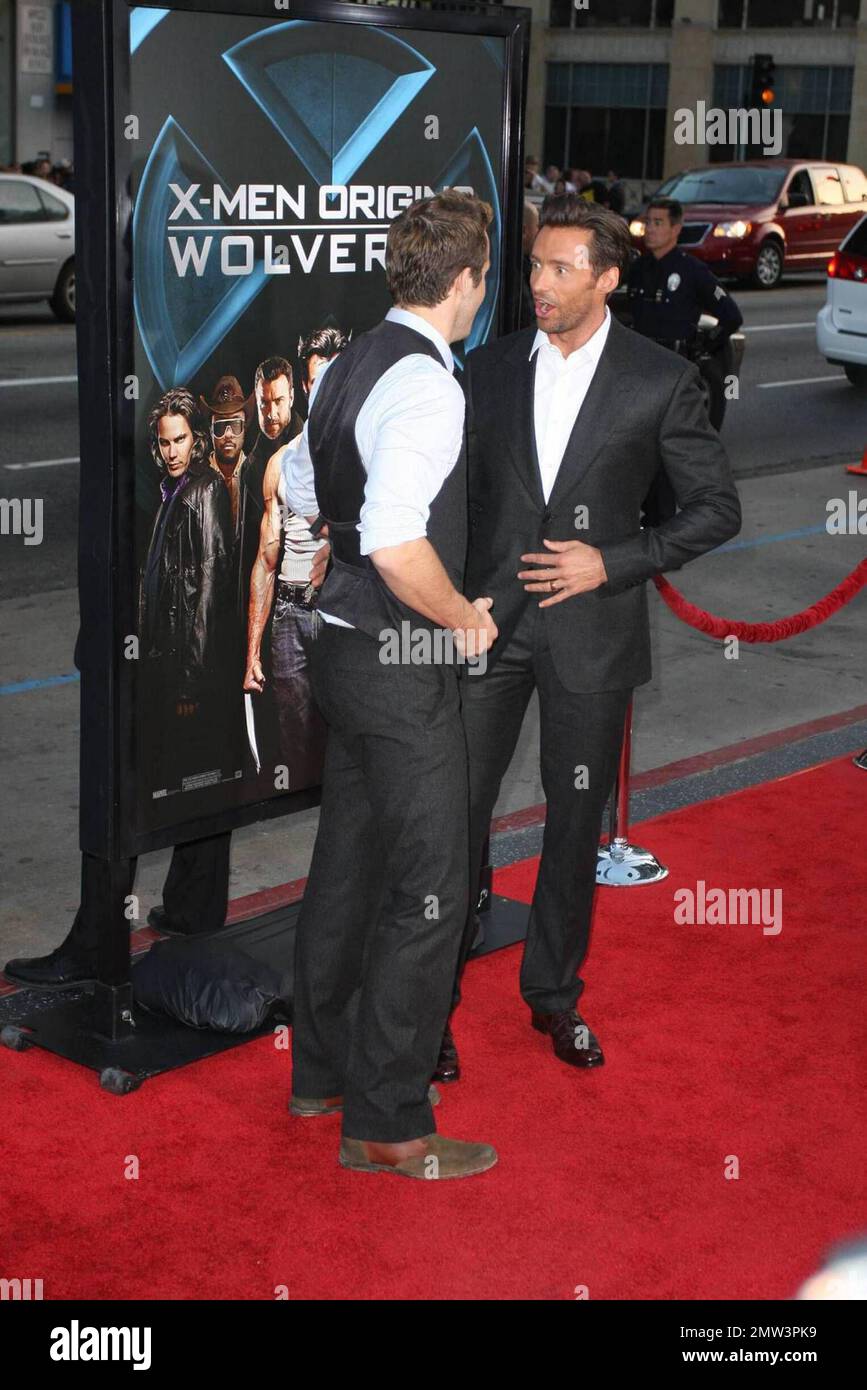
(699, 701)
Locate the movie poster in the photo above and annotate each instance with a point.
(270, 159)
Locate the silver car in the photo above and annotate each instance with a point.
(37, 243)
(841, 327)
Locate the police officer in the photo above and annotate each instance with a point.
(668, 289)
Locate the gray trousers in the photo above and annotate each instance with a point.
(382, 920)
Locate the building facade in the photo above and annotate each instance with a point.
(35, 81)
(607, 78)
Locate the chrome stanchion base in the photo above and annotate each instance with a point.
(621, 865)
(861, 761)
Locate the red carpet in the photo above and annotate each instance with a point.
(719, 1041)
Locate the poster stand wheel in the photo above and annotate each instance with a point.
(155, 1044)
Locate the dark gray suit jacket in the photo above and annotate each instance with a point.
(644, 411)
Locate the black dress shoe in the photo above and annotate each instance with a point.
(572, 1039)
(448, 1067)
(58, 970)
(160, 921)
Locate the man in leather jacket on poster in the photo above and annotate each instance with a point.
(185, 616)
(184, 608)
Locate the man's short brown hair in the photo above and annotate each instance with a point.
(431, 242)
(271, 370)
(610, 244)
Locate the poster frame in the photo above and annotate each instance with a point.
(105, 340)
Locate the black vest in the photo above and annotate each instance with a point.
(354, 589)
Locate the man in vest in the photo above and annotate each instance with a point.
(381, 923)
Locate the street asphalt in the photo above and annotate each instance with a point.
(794, 426)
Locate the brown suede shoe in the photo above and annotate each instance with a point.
(332, 1104)
(433, 1157)
(301, 1106)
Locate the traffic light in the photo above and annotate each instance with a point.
(763, 80)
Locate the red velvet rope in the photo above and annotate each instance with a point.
(763, 632)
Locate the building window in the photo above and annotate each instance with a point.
(814, 104)
(787, 14)
(623, 14)
(601, 116)
(730, 14)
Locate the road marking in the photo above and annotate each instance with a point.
(22, 686)
(771, 540)
(801, 381)
(39, 463)
(777, 327)
(22, 331)
(37, 380)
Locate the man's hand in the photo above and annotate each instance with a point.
(573, 568)
(471, 641)
(320, 565)
(254, 678)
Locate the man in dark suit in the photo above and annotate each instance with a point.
(568, 424)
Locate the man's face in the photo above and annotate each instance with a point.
(314, 365)
(228, 436)
(274, 404)
(176, 442)
(660, 233)
(472, 301)
(565, 289)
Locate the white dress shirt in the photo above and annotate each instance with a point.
(408, 432)
(560, 388)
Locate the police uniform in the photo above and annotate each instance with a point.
(668, 295)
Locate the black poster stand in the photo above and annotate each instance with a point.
(102, 1030)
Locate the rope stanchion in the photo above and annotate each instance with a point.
(618, 863)
(777, 631)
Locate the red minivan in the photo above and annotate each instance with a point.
(756, 218)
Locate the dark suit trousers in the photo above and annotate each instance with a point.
(577, 731)
(196, 890)
(386, 901)
(195, 893)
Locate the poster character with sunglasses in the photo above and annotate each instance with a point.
(230, 414)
